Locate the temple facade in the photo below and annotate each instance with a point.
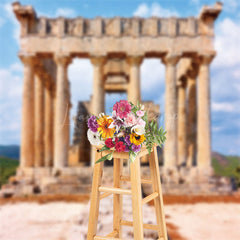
(116, 48)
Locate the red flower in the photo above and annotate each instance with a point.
(120, 147)
(109, 143)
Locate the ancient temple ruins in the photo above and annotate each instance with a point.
(116, 47)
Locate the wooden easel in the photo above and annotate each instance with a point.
(135, 192)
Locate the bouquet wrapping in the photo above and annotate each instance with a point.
(126, 130)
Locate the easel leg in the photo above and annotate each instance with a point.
(95, 198)
(158, 202)
(117, 198)
(136, 199)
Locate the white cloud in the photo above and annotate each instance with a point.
(223, 107)
(227, 43)
(10, 15)
(10, 104)
(65, 12)
(152, 74)
(80, 74)
(16, 67)
(143, 10)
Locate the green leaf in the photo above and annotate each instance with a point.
(132, 156)
(106, 157)
(104, 148)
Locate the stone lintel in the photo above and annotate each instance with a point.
(106, 46)
(115, 87)
(116, 67)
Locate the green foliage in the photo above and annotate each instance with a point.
(104, 148)
(132, 156)
(229, 169)
(135, 108)
(154, 135)
(8, 168)
(106, 157)
(237, 175)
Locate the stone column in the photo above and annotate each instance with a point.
(49, 126)
(134, 85)
(181, 128)
(61, 110)
(39, 122)
(170, 147)
(191, 121)
(97, 103)
(204, 114)
(27, 134)
(98, 97)
(67, 132)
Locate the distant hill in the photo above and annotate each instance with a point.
(225, 165)
(8, 168)
(10, 151)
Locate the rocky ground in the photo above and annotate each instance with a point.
(68, 220)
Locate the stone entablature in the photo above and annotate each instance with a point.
(117, 26)
(148, 37)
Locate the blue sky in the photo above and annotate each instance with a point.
(225, 69)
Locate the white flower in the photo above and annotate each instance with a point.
(142, 107)
(94, 138)
(138, 129)
(101, 114)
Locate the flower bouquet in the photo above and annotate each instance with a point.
(127, 130)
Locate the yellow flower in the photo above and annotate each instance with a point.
(137, 139)
(104, 129)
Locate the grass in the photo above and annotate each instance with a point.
(226, 171)
(8, 168)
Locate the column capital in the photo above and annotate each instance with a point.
(62, 59)
(171, 58)
(206, 58)
(134, 60)
(28, 59)
(98, 60)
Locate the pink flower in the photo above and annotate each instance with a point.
(130, 120)
(141, 122)
(122, 108)
(140, 113)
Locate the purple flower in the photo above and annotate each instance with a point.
(136, 148)
(126, 148)
(92, 123)
(127, 140)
